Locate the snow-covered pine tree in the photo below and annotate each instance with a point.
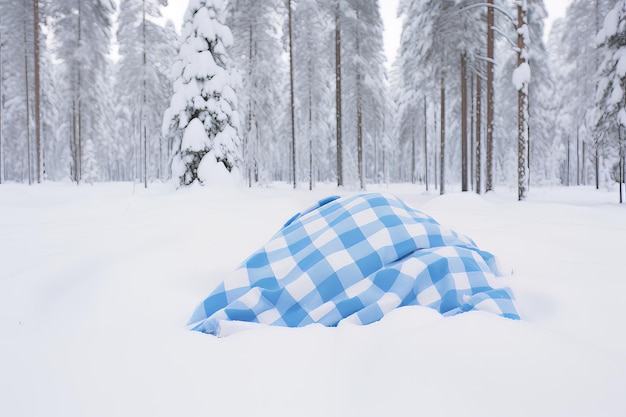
(431, 44)
(471, 45)
(2, 41)
(81, 33)
(364, 84)
(17, 72)
(142, 87)
(202, 111)
(612, 85)
(545, 152)
(577, 89)
(313, 70)
(258, 55)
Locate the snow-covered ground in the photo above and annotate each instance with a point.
(98, 282)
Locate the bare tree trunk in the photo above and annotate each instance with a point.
(293, 104)
(568, 162)
(27, 86)
(39, 158)
(1, 107)
(246, 144)
(622, 172)
(620, 176)
(144, 104)
(310, 129)
(584, 164)
(338, 94)
(413, 164)
(490, 93)
(577, 155)
(442, 153)
(464, 186)
(359, 124)
(597, 161)
(479, 116)
(597, 165)
(522, 110)
(435, 146)
(79, 139)
(359, 110)
(472, 152)
(73, 135)
(425, 143)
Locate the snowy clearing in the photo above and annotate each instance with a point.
(98, 282)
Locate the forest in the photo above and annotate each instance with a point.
(299, 91)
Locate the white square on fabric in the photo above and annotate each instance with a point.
(358, 288)
(322, 310)
(282, 267)
(326, 237)
(315, 225)
(251, 298)
(269, 316)
(412, 267)
(277, 243)
(348, 205)
(339, 259)
(380, 239)
(238, 279)
(388, 302)
(461, 281)
(301, 287)
(364, 217)
(428, 296)
(417, 231)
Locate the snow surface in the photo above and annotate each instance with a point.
(97, 284)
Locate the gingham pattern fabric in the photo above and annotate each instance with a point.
(356, 258)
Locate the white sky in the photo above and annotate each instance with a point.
(556, 8)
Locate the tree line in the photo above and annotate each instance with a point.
(477, 95)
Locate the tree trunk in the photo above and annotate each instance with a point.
(442, 152)
(471, 154)
(479, 115)
(435, 146)
(247, 134)
(623, 171)
(1, 108)
(39, 158)
(597, 161)
(359, 110)
(620, 176)
(27, 87)
(577, 156)
(464, 186)
(425, 143)
(338, 93)
(490, 93)
(522, 110)
(413, 163)
(144, 104)
(568, 162)
(597, 165)
(73, 136)
(584, 164)
(79, 139)
(310, 129)
(292, 96)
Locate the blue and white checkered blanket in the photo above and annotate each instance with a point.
(355, 259)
